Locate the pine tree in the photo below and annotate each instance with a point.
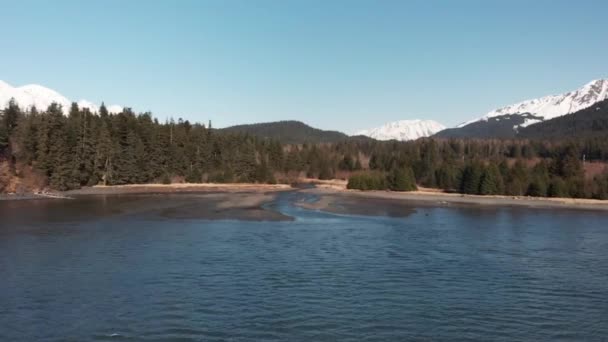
(104, 155)
(402, 179)
(347, 163)
(537, 188)
(557, 188)
(471, 179)
(447, 177)
(62, 174)
(491, 181)
(517, 183)
(9, 118)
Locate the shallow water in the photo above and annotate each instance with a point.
(77, 271)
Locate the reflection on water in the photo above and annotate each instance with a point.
(92, 270)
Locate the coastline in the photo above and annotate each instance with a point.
(176, 188)
(147, 189)
(429, 197)
(333, 196)
(235, 203)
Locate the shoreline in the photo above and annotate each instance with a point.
(442, 199)
(128, 189)
(333, 188)
(177, 188)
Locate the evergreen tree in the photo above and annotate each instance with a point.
(447, 177)
(402, 179)
(557, 188)
(491, 181)
(471, 178)
(104, 155)
(517, 183)
(10, 116)
(347, 163)
(537, 188)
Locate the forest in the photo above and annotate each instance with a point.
(45, 148)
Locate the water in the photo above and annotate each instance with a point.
(79, 271)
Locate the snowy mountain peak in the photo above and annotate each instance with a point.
(34, 95)
(404, 130)
(553, 106)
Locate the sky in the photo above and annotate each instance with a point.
(340, 64)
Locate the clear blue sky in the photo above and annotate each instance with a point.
(342, 65)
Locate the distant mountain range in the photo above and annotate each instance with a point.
(41, 97)
(404, 130)
(506, 122)
(582, 111)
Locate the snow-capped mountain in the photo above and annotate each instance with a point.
(404, 130)
(42, 97)
(553, 106)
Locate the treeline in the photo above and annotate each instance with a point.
(84, 148)
(492, 167)
(399, 179)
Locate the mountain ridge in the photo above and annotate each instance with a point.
(288, 131)
(505, 122)
(404, 130)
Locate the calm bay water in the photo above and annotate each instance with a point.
(437, 274)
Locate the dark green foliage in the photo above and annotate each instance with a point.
(471, 178)
(402, 179)
(347, 163)
(537, 188)
(517, 179)
(557, 188)
(447, 177)
(367, 181)
(264, 173)
(9, 118)
(491, 182)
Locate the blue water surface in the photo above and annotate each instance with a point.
(439, 274)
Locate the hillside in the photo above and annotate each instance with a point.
(592, 121)
(288, 132)
(507, 121)
(503, 127)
